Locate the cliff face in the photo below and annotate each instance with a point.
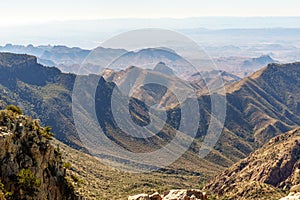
(30, 167)
(266, 173)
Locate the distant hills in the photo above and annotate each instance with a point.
(243, 66)
(257, 63)
(71, 59)
(67, 59)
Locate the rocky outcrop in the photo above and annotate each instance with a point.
(30, 167)
(189, 194)
(268, 171)
(292, 196)
(139, 197)
(155, 196)
(294, 193)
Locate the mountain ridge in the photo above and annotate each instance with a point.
(253, 116)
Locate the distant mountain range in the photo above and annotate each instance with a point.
(71, 60)
(67, 59)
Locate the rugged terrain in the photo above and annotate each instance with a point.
(258, 108)
(268, 173)
(34, 165)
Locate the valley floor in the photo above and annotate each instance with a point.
(93, 180)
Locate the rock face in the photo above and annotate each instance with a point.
(268, 171)
(30, 167)
(190, 194)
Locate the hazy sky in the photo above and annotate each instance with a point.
(15, 12)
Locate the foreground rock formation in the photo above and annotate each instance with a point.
(30, 167)
(172, 195)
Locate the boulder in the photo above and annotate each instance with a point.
(190, 194)
(292, 196)
(155, 196)
(139, 197)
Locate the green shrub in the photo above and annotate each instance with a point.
(15, 109)
(1, 186)
(76, 179)
(58, 153)
(3, 193)
(47, 133)
(28, 182)
(9, 195)
(67, 165)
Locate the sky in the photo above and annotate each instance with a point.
(20, 12)
(85, 23)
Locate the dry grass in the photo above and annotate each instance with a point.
(93, 180)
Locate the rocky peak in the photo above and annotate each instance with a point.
(256, 63)
(163, 68)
